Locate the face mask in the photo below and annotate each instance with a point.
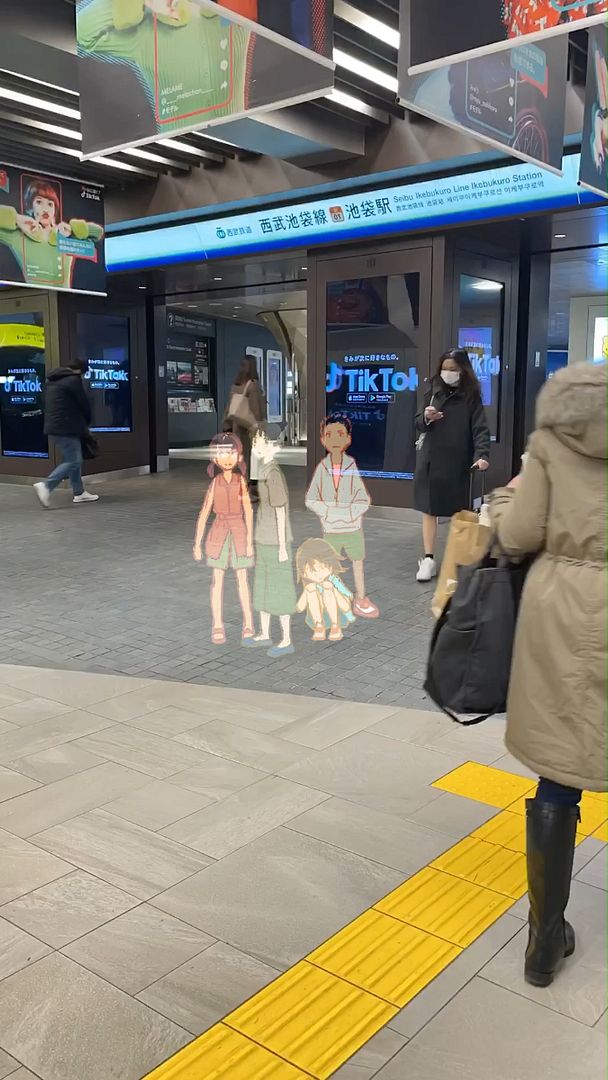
(451, 378)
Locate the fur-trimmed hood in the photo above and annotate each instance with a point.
(574, 406)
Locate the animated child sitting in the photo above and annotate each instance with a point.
(339, 498)
(325, 598)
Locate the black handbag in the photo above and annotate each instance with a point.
(90, 447)
(469, 662)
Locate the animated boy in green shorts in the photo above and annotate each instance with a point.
(339, 498)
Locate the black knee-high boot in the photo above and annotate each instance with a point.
(550, 839)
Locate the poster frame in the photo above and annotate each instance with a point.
(271, 356)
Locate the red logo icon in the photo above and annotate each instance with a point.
(336, 213)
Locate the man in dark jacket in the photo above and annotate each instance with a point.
(67, 415)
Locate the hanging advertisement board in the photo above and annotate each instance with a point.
(594, 148)
(163, 68)
(51, 232)
(444, 32)
(513, 100)
(305, 23)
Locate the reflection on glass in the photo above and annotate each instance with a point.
(480, 332)
(22, 375)
(103, 340)
(373, 334)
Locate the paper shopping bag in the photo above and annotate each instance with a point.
(467, 543)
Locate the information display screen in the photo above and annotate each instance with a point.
(22, 375)
(103, 340)
(372, 369)
(189, 363)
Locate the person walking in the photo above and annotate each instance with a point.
(453, 438)
(67, 415)
(556, 708)
(247, 384)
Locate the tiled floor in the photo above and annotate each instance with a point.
(112, 588)
(167, 849)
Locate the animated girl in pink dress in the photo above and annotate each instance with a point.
(229, 543)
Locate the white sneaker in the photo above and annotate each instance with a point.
(43, 493)
(85, 497)
(427, 569)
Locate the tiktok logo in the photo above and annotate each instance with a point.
(333, 380)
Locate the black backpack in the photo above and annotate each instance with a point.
(469, 662)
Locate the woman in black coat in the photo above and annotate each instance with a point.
(454, 437)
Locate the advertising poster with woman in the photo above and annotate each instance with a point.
(167, 66)
(442, 31)
(594, 148)
(51, 232)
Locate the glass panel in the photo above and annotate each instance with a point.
(373, 361)
(480, 332)
(578, 308)
(103, 340)
(22, 375)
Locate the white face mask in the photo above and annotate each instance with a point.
(451, 378)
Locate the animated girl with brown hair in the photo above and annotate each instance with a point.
(229, 543)
(325, 598)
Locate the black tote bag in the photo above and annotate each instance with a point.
(469, 662)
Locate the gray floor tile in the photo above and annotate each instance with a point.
(229, 825)
(157, 805)
(384, 838)
(207, 988)
(490, 1032)
(130, 706)
(23, 742)
(510, 764)
(32, 710)
(26, 867)
(13, 784)
(79, 691)
(65, 799)
(580, 990)
(141, 750)
(138, 948)
(306, 889)
(596, 872)
(23, 1074)
(257, 750)
(167, 722)
(134, 859)
(67, 908)
(124, 1039)
(55, 763)
(441, 990)
(389, 776)
(453, 815)
(217, 777)
(17, 949)
(7, 1065)
(366, 1062)
(332, 723)
(5, 726)
(413, 725)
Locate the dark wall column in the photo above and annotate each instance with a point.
(532, 330)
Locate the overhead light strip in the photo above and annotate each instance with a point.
(365, 71)
(367, 23)
(38, 103)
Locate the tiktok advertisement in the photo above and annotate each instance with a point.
(51, 232)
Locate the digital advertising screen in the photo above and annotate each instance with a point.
(442, 31)
(51, 232)
(22, 377)
(103, 340)
(161, 67)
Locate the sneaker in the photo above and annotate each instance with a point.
(85, 497)
(365, 608)
(43, 494)
(427, 569)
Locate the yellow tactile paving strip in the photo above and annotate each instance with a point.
(312, 1019)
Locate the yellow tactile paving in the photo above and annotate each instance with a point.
(487, 865)
(594, 813)
(312, 1019)
(485, 784)
(448, 907)
(224, 1054)
(317, 1015)
(387, 957)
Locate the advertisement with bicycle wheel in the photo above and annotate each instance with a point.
(514, 100)
(443, 32)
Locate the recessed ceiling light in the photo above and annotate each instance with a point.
(218, 279)
(560, 236)
(303, 268)
(142, 286)
(191, 305)
(215, 303)
(237, 307)
(489, 286)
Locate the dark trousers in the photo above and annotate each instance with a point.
(559, 794)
